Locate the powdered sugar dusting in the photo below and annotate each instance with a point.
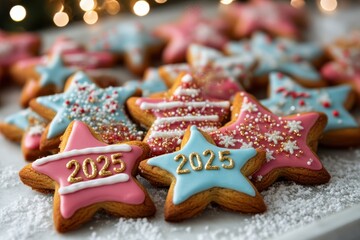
(290, 206)
(8, 177)
(26, 217)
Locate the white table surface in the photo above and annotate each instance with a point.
(330, 211)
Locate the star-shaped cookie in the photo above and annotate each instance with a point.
(345, 66)
(51, 79)
(87, 176)
(280, 55)
(290, 142)
(130, 41)
(14, 125)
(191, 28)
(100, 108)
(201, 173)
(169, 115)
(220, 76)
(287, 97)
(278, 19)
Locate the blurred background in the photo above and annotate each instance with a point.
(30, 15)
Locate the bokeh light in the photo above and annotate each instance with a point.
(91, 17)
(17, 13)
(141, 8)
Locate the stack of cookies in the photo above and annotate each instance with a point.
(193, 123)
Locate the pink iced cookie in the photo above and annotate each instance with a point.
(345, 67)
(278, 19)
(73, 55)
(14, 47)
(220, 76)
(105, 181)
(192, 28)
(289, 141)
(168, 116)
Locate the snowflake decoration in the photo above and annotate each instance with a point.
(290, 146)
(294, 126)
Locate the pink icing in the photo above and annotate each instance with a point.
(89, 60)
(344, 68)
(30, 62)
(15, 47)
(168, 129)
(32, 141)
(192, 28)
(126, 192)
(66, 45)
(251, 127)
(278, 18)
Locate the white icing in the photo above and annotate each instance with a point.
(186, 78)
(188, 92)
(175, 104)
(186, 118)
(177, 133)
(76, 152)
(118, 178)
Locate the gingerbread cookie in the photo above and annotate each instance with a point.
(277, 19)
(201, 173)
(220, 76)
(15, 47)
(169, 115)
(152, 83)
(14, 126)
(191, 28)
(100, 108)
(290, 142)
(73, 55)
(287, 97)
(131, 42)
(345, 66)
(30, 142)
(101, 183)
(281, 55)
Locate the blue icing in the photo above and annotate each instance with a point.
(152, 83)
(271, 57)
(127, 38)
(84, 101)
(314, 101)
(54, 72)
(21, 118)
(187, 185)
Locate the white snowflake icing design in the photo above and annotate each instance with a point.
(294, 126)
(227, 140)
(290, 146)
(269, 155)
(274, 137)
(250, 107)
(246, 145)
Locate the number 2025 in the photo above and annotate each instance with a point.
(103, 172)
(223, 157)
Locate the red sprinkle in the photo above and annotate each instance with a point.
(326, 104)
(280, 75)
(336, 113)
(302, 102)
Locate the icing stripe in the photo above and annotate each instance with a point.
(169, 105)
(118, 178)
(186, 119)
(187, 92)
(176, 133)
(72, 153)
